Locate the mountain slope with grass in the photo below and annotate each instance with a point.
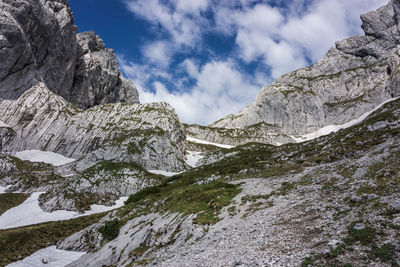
(307, 175)
(333, 200)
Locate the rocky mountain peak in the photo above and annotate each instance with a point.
(39, 43)
(354, 77)
(89, 42)
(382, 34)
(384, 22)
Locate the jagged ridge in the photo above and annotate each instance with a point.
(39, 43)
(355, 76)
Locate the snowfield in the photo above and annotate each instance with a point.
(3, 189)
(44, 156)
(165, 173)
(199, 141)
(334, 128)
(29, 212)
(53, 256)
(193, 157)
(2, 124)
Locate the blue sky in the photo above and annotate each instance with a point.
(210, 58)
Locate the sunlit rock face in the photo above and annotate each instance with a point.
(355, 75)
(39, 43)
(148, 134)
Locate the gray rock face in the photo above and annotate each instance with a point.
(6, 136)
(38, 43)
(353, 78)
(97, 77)
(149, 134)
(100, 184)
(260, 133)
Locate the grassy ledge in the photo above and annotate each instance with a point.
(18, 243)
(11, 200)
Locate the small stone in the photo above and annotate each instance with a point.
(395, 205)
(355, 199)
(396, 220)
(325, 251)
(237, 263)
(377, 126)
(359, 226)
(334, 243)
(371, 196)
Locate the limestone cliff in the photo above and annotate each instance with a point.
(39, 43)
(148, 134)
(355, 76)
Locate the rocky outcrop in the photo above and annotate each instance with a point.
(97, 78)
(101, 184)
(149, 134)
(38, 43)
(355, 76)
(6, 136)
(259, 133)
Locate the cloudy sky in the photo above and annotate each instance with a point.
(210, 58)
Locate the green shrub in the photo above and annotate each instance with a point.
(364, 236)
(143, 194)
(384, 253)
(110, 230)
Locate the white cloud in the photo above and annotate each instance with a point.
(159, 53)
(220, 89)
(180, 18)
(141, 74)
(191, 6)
(305, 29)
(286, 39)
(281, 38)
(326, 22)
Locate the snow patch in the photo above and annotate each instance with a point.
(4, 125)
(53, 256)
(193, 158)
(334, 128)
(3, 189)
(199, 141)
(165, 173)
(29, 212)
(44, 156)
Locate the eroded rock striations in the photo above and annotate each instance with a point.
(97, 78)
(63, 92)
(39, 43)
(148, 134)
(355, 76)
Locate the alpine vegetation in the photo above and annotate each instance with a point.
(306, 175)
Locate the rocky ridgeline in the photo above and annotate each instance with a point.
(355, 76)
(63, 92)
(113, 145)
(39, 43)
(148, 134)
(260, 133)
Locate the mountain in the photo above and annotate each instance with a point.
(307, 175)
(63, 92)
(356, 75)
(40, 44)
(328, 202)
